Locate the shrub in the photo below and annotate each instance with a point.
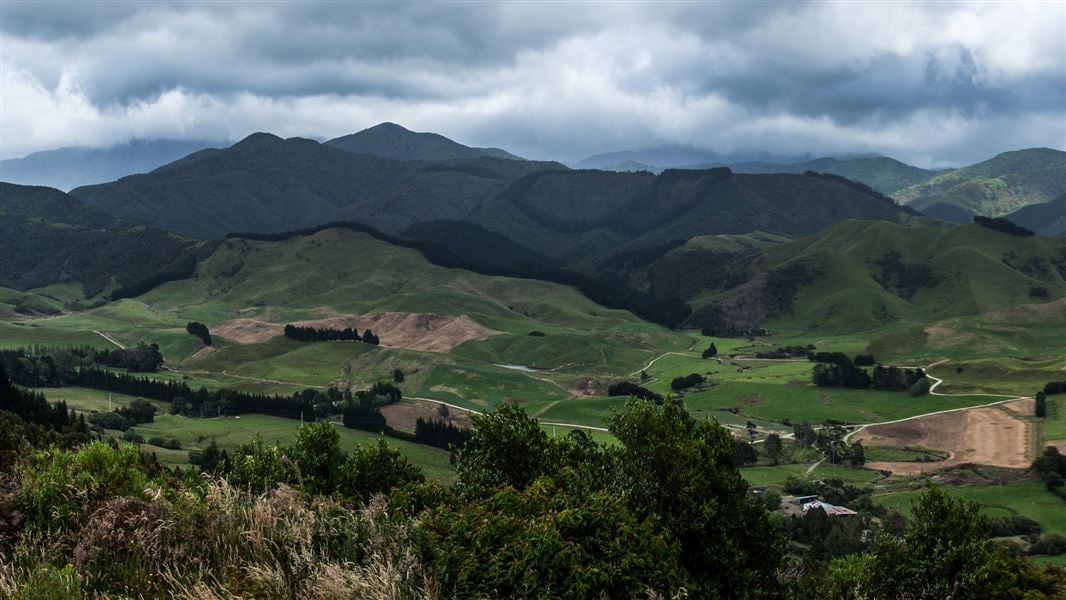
(626, 388)
(1014, 525)
(109, 420)
(1051, 543)
(690, 380)
(59, 485)
(376, 468)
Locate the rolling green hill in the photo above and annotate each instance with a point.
(1045, 219)
(859, 276)
(48, 237)
(393, 141)
(995, 187)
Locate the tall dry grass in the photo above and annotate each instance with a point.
(218, 542)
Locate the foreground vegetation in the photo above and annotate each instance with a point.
(662, 513)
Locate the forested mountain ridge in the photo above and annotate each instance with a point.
(267, 184)
(583, 217)
(394, 141)
(995, 187)
(264, 183)
(49, 237)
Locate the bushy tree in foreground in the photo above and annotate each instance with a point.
(683, 471)
(944, 553)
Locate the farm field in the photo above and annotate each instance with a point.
(230, 432)
(1026, 498)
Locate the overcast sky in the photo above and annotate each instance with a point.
(934, 84)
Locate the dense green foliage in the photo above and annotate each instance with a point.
(199, 330)
(943, 553)
(628, 388)
(314, 334)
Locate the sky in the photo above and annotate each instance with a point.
(933, 84)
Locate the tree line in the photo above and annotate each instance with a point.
(54, 366)
(33, 407)
(1003, 225)
(314, 334)
(846, 374)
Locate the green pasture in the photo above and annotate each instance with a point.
(230, 432)
(1027, 498)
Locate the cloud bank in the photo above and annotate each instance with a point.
(932, 84)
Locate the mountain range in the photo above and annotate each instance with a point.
(715, 239)
(68, 168)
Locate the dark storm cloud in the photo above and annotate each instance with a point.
(938, 83)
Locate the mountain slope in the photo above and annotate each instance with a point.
(49, 237)
(886, 175)
(266, 184)
(262, 183)
(861, 275)
(68, 168)
(393, 141)
(582, 217)
(995, 187)
(1045, 219)
(337, 271)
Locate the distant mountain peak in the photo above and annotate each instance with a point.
(257, 139)
(397, 142)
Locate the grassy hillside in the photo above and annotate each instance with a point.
(339, 272)
(49, 237)
(995, 187)
(860, 276)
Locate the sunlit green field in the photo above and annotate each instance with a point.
(230, 432)
(1026, 498)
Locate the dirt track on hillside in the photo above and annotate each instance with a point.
(413, 331)
(988, 436)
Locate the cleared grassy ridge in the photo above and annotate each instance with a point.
(976, 270)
